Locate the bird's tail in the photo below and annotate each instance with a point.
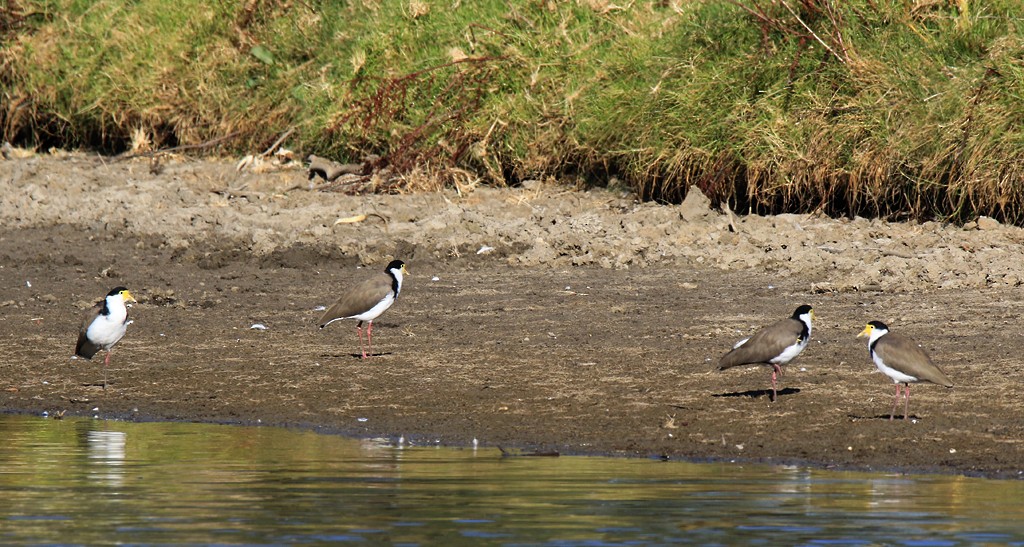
(86, 349)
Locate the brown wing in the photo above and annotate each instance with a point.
(359, 299)
(907, 357)
(764, 345)
(85, 348)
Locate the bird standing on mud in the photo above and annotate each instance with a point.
(902, 360)
(104, 326)
(366, 301)
(774, 345)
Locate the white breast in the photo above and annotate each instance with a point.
(897, 376)
(374, 312)
(107, 330)
(790, 353)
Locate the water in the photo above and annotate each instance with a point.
(91, 481)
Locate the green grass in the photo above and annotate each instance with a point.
(871, 107)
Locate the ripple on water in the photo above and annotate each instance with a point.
(92, 481)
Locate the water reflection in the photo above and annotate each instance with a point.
(90, 481)
(106, 451)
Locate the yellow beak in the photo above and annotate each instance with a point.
(866, 332)
(128, 296)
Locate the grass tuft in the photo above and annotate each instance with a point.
(902, 110)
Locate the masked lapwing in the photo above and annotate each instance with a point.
(104, 326)
(366, 301)
(902, 360)
(774, 345)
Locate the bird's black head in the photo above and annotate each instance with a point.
(802, 310)
(116, 290)
(395, 265)
(876, 329)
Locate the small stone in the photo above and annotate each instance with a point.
(823, 287)
(988, 223)
(696, 206)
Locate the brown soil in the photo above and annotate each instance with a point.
(592, 327)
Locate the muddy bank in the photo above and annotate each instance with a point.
(541, 318)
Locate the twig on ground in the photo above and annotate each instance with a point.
(278, 142)
(207, 144)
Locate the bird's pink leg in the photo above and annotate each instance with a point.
(106, 363)
(776, 370)
(359, 333)
(906, 405)
(895, 402)
(369, 339)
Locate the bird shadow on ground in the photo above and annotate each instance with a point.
(97, 385)
(370, 356)
(885, 417)
(353, 355)
(755, 393)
